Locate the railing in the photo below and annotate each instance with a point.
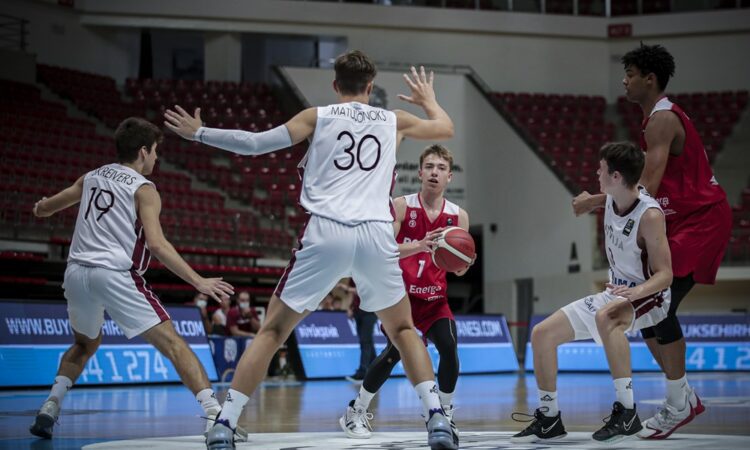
(13, 32)
(602, 8)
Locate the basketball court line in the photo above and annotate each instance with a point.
(417, 441)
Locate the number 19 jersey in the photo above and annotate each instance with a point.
(108, 231)
(348, 171)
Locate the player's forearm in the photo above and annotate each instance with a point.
(166, 253)
(658, 282)
(245, 142)
(408, 249)
(437, 114)
(597, 201)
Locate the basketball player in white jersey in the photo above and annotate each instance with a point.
(637, 296)
(116, 232)
(346, 187)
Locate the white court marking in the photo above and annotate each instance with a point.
(417, 441)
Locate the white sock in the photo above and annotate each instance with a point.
(676, 392)
(548, 399)
(624, 391)
(60, 388)
(207, 399)
(231, 410)
(364, 398)
(428, 393)
(446, 398)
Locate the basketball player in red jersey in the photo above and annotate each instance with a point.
(699, 219)
(419, 220)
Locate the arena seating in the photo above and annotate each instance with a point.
(739, 244)
(43, 150)
(248, 106)
(713, 113)
(566, 129)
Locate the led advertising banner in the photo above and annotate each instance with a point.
(34, 336)
(714, 343)
(329, 348)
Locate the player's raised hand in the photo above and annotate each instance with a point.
(421, 87)
(183, 123)
(216, 288)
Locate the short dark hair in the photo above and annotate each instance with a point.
(626, 158)
(354, 70)
(438, 150)
(651, 59)
(134, 133)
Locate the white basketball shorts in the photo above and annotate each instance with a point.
(330, 251)
(125, 296)
(582, 313)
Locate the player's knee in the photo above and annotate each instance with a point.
(668, 330)
(87, 345)
(272, 332)
(541, 337)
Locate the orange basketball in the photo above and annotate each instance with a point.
(454, 251)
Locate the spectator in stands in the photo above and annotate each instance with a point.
(337, 304)
(200, 301)
(242, 320)
(219, 319)
(327, 303)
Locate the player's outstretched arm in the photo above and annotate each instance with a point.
(63, 199)
(242, 142)
(438, 125)
(149, 207)
(652, 236)
(584, 202)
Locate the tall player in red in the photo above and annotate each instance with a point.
(419, 220)
(699, 219)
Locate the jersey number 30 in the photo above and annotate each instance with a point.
(348, 150)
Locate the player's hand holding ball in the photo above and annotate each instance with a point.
(454, 250)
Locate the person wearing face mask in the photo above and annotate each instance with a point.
(243, 320)
(200, 301)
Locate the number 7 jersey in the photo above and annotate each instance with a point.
(108, 231)
(348, 171)
(423, 279)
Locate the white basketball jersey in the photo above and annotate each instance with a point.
(628, 263)
(108, 232)
(349, 168)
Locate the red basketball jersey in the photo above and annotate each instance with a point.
(688, 183)
(699, 219)
(423, 279)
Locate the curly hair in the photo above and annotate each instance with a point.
(651, 59)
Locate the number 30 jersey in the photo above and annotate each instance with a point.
(348, 172)
(108, 231)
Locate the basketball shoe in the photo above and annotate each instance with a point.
(668, 419)
(45, 419)
(542, 428)
(220, 436)
(240, 434)
(439, 433)
(449, 410)
(356, 422)
(620, 425)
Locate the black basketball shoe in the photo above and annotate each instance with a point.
(621, 424)
(542, 428)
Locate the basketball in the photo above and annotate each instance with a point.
(454, 251)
